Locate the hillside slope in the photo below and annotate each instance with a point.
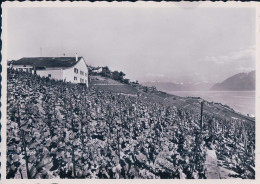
(193, 104)
(238, 82)
(62, 130)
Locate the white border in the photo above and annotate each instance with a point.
(141, 4)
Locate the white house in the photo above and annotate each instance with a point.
(69, 69)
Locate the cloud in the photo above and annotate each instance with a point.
(195, 74)
(239, 55)
(155, 75)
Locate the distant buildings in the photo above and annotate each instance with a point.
(69, 69)
(95, 70)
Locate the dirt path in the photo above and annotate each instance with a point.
(211, 165)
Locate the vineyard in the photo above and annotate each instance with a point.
(63, 130)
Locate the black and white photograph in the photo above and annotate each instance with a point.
(122, 91)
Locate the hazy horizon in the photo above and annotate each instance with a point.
(148, 44)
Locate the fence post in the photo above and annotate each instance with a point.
(201, 117)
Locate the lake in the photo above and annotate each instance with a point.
(241, 101)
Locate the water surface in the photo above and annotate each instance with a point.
(241, 101)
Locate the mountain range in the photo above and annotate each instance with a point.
(171, 86)
(238, 82)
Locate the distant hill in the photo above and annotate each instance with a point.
(238, 82)
(171, 86)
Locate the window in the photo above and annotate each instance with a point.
(85, 81)
(49, 75)
(75, 78)
(86, 74)
(76, 70)
(81, 73)
(82, 80)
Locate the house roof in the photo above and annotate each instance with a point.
(47, 62)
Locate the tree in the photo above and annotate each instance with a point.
(126, 81)
(116, 75)
(122, 74)
(106, 72)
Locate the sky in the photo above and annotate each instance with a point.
(148, 44)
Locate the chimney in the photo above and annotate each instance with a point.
(76, 57)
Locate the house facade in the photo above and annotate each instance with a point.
(68, 69)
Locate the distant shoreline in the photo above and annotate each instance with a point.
(217, 101)
(211, 91)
